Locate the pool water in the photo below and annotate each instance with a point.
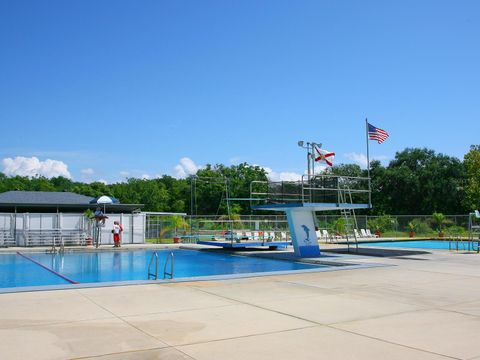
(106, 266)
(415, 244)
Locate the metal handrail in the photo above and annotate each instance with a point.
(306, 189)
(172, 266)
(149, 273)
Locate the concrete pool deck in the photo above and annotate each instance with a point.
(423, 306)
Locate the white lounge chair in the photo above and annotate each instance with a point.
(319, 234)
(325, 235)
(271, 235)
(363, 233)
(248, 235)
(357, 235)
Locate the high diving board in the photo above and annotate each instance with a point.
(311, 206)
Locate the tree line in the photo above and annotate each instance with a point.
(417, 181)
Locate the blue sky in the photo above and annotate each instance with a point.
(109, 89)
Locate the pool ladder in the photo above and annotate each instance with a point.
(154, 275)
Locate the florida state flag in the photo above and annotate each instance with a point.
(324, 155)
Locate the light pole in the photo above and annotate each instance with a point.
(310, 146)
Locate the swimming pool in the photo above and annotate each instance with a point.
(416, 244)
(40, 269)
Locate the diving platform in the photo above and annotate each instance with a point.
(243, 239)
(245, 244)
(300, 200)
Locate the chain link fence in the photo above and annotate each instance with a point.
(164, 228)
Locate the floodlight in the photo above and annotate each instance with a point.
(300, 143)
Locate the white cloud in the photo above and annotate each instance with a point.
(145, 177)
(32, 166)
(87, 172)
(186, 167)
(235, 160)
(103, 181)
(361, 159)
(124, 173)
(319, 169)
(281, 176)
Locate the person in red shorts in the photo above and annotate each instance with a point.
(117, 230)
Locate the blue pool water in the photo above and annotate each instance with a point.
(106, 266)
(416, 244)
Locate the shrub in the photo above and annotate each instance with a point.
(383, 223)
(456, 231)
(420, 227)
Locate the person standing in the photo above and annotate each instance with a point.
(117, 230)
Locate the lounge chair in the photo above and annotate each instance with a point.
(357, 235)
(325, 235)
(363, 233)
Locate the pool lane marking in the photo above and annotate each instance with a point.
(47, 268)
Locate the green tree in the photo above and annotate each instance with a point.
(352, 170)
(471, 162)
(419, 181)
(210, 193)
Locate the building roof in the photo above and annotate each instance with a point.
(54, 201)
(43, 198)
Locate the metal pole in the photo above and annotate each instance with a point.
(191, 204)
(15, 227)
(312, 159)
(368, 166)
(308, 160)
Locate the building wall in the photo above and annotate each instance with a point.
(42, 229)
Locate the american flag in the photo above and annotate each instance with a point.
(375, 133)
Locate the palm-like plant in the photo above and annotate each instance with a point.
(440, 220)
(339, 225)
(411, 227)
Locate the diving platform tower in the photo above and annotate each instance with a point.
(300, 200)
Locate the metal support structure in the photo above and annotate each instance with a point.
(474, 231)
(193, 195)
(310, 146)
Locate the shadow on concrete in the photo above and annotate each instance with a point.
(378, 252)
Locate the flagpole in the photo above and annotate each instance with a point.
(368, 165)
